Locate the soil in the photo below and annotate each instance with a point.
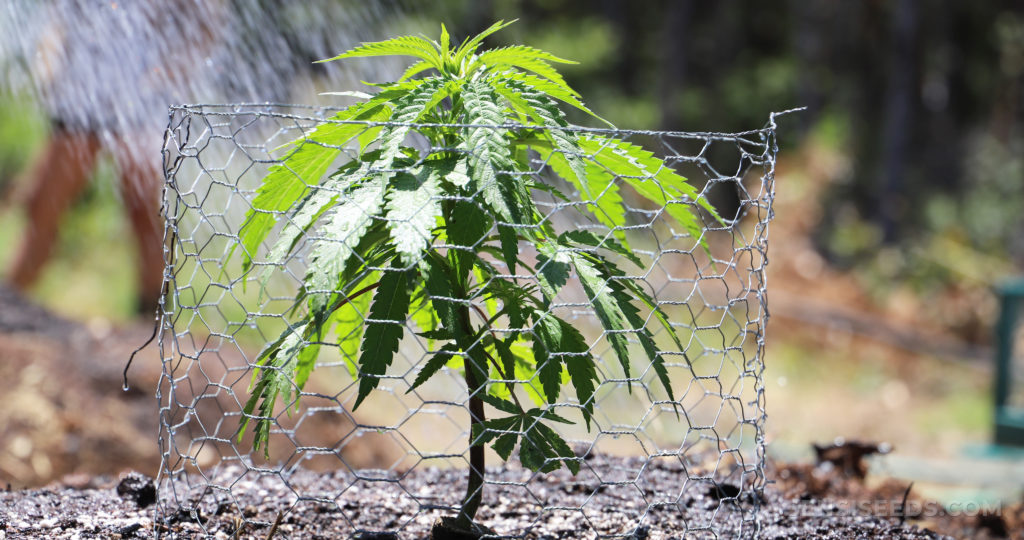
(62, 410)
(805, 502)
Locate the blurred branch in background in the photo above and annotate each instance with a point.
(907, 338)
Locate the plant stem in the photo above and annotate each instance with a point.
(477, 458)
(343, 300)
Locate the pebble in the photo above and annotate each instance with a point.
(137, 487)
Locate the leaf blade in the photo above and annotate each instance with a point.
(412, 210)
(526, 58)
(652, 179)
(436, 362)
(384, 330)
(470, 45)
(288, 181)
(400, 46)
(553, 90)
(607, 309)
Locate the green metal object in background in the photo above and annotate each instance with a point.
(1009, 419)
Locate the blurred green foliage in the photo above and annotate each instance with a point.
(21, 130)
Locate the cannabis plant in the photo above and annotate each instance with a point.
(433, 237)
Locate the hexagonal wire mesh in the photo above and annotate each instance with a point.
(399, 462)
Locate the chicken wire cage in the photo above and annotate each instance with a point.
(648, 465)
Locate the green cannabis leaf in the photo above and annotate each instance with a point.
(434, 237)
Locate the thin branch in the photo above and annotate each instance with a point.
(342, 302)
(901, 510)
(486, 319)
(276, 524)
(350, 297)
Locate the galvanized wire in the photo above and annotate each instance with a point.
(216, 318)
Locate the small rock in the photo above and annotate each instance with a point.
(128, 531)
(994, 523)
(137, 487)
(723, 491)
(375, 535)
(445, 529)
(185, 515)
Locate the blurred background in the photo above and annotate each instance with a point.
(899, 210)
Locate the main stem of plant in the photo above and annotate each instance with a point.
(475, 480)
(477, 458)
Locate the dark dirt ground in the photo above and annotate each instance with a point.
(806, 502)
(66, 425)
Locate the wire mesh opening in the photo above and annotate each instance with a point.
(649, 466)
